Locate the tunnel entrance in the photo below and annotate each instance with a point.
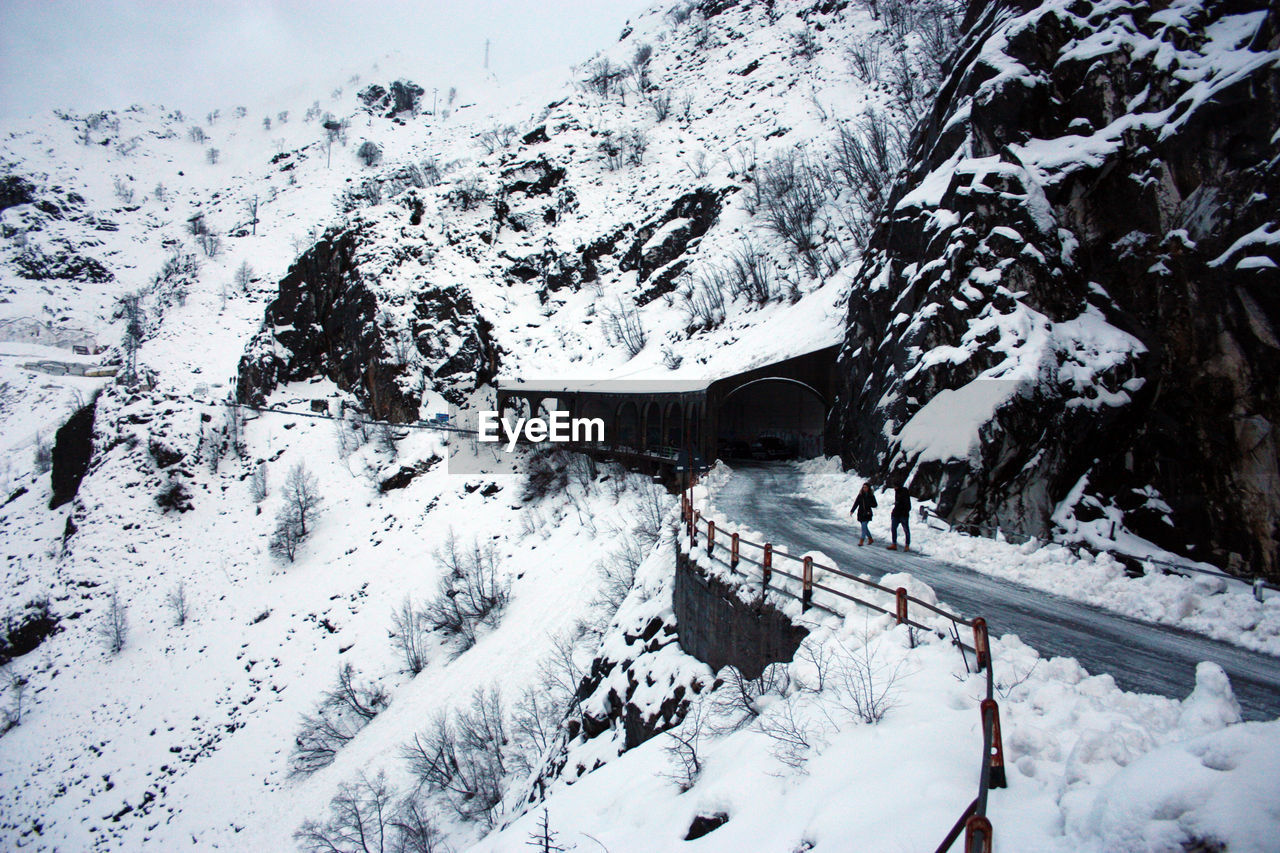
(771, 418)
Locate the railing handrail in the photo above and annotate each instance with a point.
(973, 821)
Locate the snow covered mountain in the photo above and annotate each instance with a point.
(226, 629)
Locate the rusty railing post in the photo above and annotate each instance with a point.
(693, 528)
(768, 568)
(977, 834)
(980, 643)
(902, 605)
(733, 552)
(711, 537)
(996, 758)
(806, 597)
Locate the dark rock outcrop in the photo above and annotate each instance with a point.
(327, 321)
(72, 452)
(666, 238)
(402, 97)
(1089, 217)
(14, 191)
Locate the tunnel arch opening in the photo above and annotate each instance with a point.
(773, 417)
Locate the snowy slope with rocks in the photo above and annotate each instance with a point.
(691, 204)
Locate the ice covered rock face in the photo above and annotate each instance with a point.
(1083, 251)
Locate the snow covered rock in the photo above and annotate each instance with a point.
(1076, 279)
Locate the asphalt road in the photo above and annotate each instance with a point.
(1140, 656)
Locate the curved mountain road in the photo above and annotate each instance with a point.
(1141, 656)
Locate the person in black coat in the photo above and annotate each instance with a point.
(863, 505)
(900, 515)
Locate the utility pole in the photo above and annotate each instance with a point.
(486, 54)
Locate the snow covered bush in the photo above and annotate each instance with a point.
(369, 152)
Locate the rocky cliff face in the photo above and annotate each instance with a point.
(1070, 314)
(333, 319)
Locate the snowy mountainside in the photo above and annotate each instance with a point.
(1077, 275)
(682, 208)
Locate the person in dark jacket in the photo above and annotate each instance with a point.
(900, 515)
(863, 505)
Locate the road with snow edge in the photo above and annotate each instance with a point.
(1141, 656)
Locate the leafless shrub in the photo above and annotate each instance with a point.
(16, 686)
(684, 745)
(603, 78)
(302, 494)
(741, 161)
(497, 138)
(749, 273)
(197, 134)
(671, 359)
(864, 60)
(124, 192)
(866, 684)
(546, 473)
(409, 629)
(472, 592)
(343, 711)
(660, 101)
(793, 733)
(867, 155)
(364, 818)
(369, 152)
(258, 482)
(624, 327)
(680, 13)
(244, 276)
(618, 571)
(790, 199)
(464, 757)
(697, 164)
(703, 298)
(113, 628)
(179, 272)
(738, 702)
(467, 193)
(804, 44)
(43, 454)
(178, 603)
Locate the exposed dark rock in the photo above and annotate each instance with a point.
(661, 241)
(35, 264)
(15, 191)
(406, 475)
(324, 323)
(24, 631)
(163, 453)
(403, 97)
(533, 137)
(1137, 265)
(705, 824)
(72, 452)
(536, 177)
(175, 495)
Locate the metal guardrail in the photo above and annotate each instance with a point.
(973, 822)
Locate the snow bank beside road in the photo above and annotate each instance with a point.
(1223, 611)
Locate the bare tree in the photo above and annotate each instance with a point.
(258, 482)
(410, 629)
(43, 454)
(177, 601)
(360, 815)
(16, 686)
(251, 207)
(684, 745)
(114, 625)
(302, 494)
(244, 275)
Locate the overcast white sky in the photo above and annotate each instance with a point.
(198, 54)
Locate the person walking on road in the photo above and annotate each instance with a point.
(863, 505)
(900, 515)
